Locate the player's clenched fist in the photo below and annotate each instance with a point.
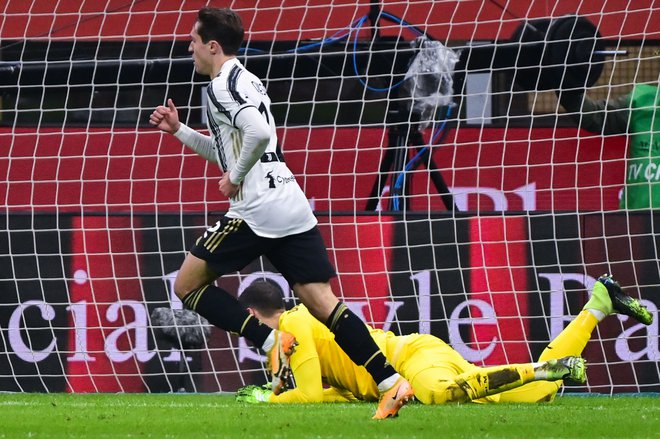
(228, 188)
(166, 118)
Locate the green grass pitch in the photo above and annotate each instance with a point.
(205, 415)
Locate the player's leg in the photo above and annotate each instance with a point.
(228, 246)
(437, 386)
(488, 381)
(441, 384)
(606, 298)
(439, 374)
(570, 342)
(351, 334)
(431, 366)
(304, 262)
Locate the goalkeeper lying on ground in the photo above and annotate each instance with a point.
(322, 372)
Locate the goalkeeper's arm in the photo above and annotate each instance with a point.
(309, 383)
(306, 369)
(309, 387)
(257, 394)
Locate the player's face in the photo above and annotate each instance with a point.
(201, 53)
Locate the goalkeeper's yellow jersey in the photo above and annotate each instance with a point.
(319, 362)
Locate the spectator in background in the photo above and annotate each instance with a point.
(635, 114)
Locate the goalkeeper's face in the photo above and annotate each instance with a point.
(202, 53)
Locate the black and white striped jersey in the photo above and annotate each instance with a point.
(270, 200)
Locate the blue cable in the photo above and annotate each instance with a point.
(394, 19)
(438, 136)
(328, 40)
(355, 66)
(339, 35)
(402, 22)
(249, 49)
(331, 39)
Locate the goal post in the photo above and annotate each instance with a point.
(458, 190)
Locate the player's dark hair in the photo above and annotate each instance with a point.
(222, 25)
(263, 295)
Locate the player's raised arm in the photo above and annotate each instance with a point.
(167, 119)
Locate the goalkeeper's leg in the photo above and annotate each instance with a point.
(439, 374)
(489, 381)
(605, 294)
(533, 382)
(438, 386)
(606, 298)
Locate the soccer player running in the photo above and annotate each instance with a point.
(268, 214)
(437, 372)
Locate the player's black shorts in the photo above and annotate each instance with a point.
(231, 245)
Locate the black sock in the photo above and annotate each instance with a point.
(222, 309)
(352, 335)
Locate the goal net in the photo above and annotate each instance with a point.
(463, 184)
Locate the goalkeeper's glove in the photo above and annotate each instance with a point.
(253, 394)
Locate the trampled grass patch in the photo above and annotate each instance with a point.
(205, 415)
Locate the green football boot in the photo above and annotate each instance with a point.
(572, 369)
(607, 290)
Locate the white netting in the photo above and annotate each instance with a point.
(469, 205)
